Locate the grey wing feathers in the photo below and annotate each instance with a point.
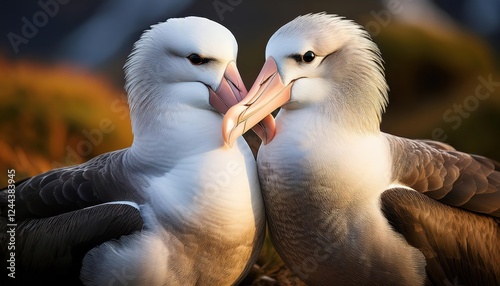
(52, 248)
(102, 179)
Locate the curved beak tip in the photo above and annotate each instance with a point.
(228, 144)
(232, 128)
(266, 129)
(254, 111)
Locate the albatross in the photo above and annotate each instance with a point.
(178, 207)
(346, 203)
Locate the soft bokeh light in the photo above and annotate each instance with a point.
(61, 77)
(54, 116)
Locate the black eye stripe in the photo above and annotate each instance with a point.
(196, 59)
(297, 57)
(307, 57)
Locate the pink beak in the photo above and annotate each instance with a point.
(230, 92)
(267, 94)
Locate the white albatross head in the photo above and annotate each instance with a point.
(183, 62)
(317, 61)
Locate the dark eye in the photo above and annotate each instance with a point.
(197, 60)
(308, 56)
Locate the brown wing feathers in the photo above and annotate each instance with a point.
(461, 247)
(451, 177)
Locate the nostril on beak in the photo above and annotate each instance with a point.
(235, 85)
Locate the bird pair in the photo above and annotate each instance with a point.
(346, 204)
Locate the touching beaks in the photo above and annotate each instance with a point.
(266, 95)
(230, 92)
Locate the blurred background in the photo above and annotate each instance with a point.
(62, 100)
(61, 77)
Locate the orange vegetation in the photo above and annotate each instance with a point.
(54, 116)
